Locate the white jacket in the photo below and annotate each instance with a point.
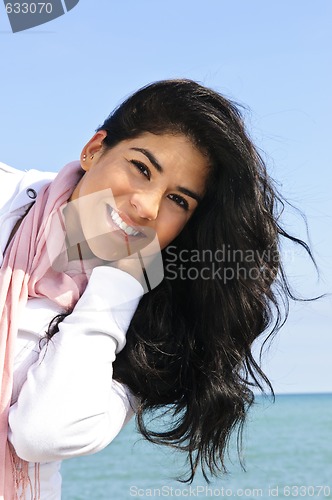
(65, 403)
(17, 191)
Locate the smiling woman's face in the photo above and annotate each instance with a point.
(142, 187)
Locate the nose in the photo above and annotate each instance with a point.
(146, 204)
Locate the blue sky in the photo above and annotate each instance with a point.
(60, 80)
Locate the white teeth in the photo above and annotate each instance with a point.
(130, 231)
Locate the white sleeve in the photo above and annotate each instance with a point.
(69, 404)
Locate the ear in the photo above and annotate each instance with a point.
(92, 150)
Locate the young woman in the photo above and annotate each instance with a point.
(171, 179)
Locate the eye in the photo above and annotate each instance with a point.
(179, 200)
(142, 168)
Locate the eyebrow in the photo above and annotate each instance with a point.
(150, 157)
(190, 193)
(160, 169)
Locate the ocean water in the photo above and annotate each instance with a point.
(287, 452)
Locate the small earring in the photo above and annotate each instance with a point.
(92, 157)
(84, 157)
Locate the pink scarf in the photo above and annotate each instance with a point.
(26, 272)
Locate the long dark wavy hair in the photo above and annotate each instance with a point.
(189, 344)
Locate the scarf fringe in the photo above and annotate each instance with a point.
(21, 478)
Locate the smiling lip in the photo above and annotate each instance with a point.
(123, 224)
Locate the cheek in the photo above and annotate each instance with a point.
(104, 177)
(169, 229)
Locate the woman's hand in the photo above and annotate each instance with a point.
(133, 265)
(146, 266)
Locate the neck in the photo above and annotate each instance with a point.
(77, 247)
